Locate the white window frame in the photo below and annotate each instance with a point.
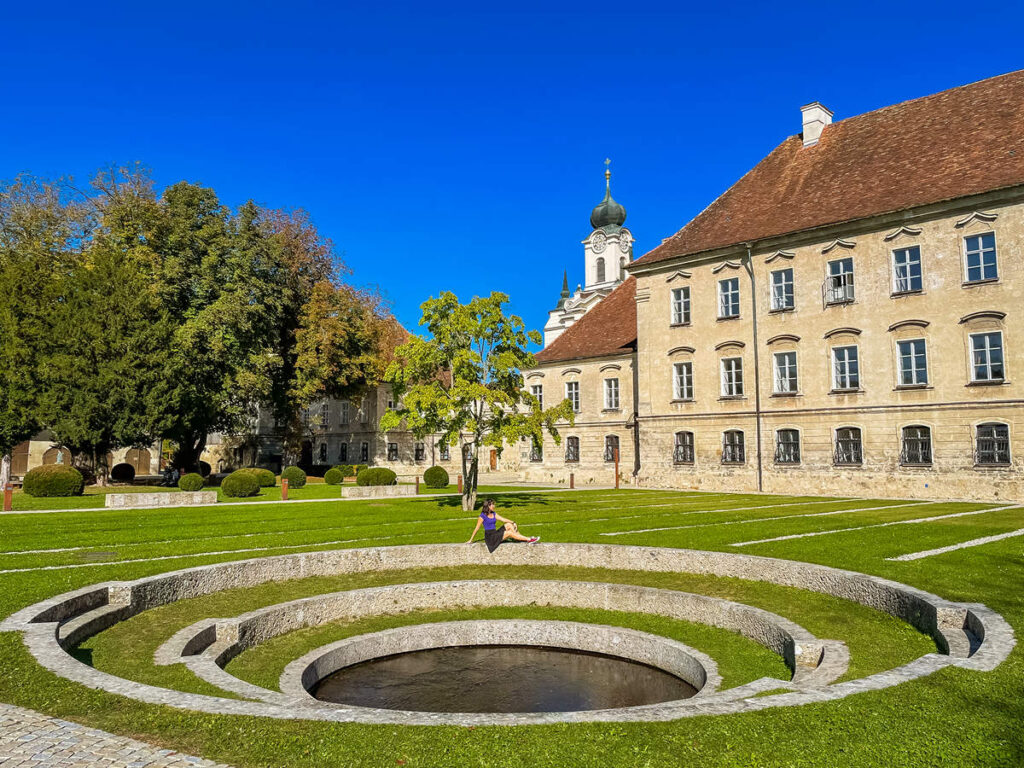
(537, 390)
(834, 362)
(344, 411)
(786, 298)
(919, 380)
(840, 285)
(572, 394)
(682, 380)
(987, 354)
(611, 394)
(980, 252)
(728, 298)
(680, 306)
(732, 376)
(907, 285)
(786, 379)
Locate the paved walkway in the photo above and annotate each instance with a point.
(29, 739)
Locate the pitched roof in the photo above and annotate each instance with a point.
(608, 329)
(960, 142)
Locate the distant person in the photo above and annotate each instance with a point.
(493, 535)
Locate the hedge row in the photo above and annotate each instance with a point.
(376, 476)
(53, 480)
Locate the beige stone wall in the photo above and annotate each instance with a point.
(943, 313)
(593, 422)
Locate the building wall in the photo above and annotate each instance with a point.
(943, 313)
(593, 422)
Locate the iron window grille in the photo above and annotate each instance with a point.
(364, 453)
(732, 447)
(611, 447)
(572, 449)
(849, 447)
(322, 453)
(906, 270)
(537, 453)
(392, 451)
(992, 446)
(917, 446)
(343, 453)
(787, 446)
(683, 452)
(421, 452)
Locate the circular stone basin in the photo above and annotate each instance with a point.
(500, 678)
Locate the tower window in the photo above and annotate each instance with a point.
(600, 270)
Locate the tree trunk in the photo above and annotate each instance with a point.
(5, 471)
(469, 484)
(189, 450)
(100, 468)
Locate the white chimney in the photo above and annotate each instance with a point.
(816, 117)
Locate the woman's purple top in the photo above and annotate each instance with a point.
(489, 521)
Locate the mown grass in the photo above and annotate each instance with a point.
(955, 717)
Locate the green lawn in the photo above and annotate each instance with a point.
(955, 717)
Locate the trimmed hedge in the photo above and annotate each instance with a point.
(436, 477)
(240, 483)
(122, 473)
(53, 480)
(347, 470)
(357, 468)
(376, 476)
(265, 477)
(295, 476)
(333, 476)
(193, 481)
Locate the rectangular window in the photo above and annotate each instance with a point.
(611, 394)
(981, 257)
(732, 377)
(683, 452)
(421, 452)
(343, 453)
(572, 449)
(732, 447)
(537, 453)
(849, 449)
(787, 446)
(845, 368)
(322, 453)
(987, 356)
(572, 394)
(839, 286)
(364, 452)
(992, 444)
(344, 411)
(906, 270)
(782, 289)
(682, 381)
(680, 306)
(611, 447)
(917, 445)
(392, 451)
(363, 416)
(391, 403)
(325, 416)
(785, 373)
(537, 390)
(913, 363)
(728, 298)
(444, 452)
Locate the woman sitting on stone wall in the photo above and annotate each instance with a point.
(493, 535)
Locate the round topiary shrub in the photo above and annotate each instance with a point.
(265, 477)
(295, 476)
(53, 480)
(347, 470)
(239, 484)
(435, 477)
(333, 476)
(193, 481)
(122, 473)
(376, 476)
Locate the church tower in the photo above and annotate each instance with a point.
(606, 252)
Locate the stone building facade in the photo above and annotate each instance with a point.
(845, 318)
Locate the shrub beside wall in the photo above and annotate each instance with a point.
(240, 484)
(435, 477)
(53, 480)
(333, 476)
(264, 477)
(295, 476)
(191, 482)
(376, 476)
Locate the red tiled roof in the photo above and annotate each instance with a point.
(960, 142)
(607, 329)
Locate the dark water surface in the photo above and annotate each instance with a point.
(500, 679)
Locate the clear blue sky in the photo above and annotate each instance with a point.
(461, 147)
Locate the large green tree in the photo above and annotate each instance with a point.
(464, 382)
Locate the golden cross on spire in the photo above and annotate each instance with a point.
(607, 172)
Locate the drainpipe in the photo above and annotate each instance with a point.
(749, 264)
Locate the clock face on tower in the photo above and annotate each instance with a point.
(599, 242)
(624, 242)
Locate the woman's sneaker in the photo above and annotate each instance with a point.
(533, 540)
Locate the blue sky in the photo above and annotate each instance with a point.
(460, 146)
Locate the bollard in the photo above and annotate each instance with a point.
(572, 480)
(460, 483)
(284, 489)
(417, 485)
(616, 469)
(8, 497)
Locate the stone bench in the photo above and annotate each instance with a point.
(161, 499)
(377, 491)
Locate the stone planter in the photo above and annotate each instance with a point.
(377, 491)
(161, 499)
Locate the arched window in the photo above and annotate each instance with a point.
(572, 449)
(992, 444)
(917, 445)
(849, 446)
(683, 452)
(600, 270)
(787, 446)
(611, 447)
(732, 447)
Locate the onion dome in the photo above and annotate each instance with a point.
(608, 214)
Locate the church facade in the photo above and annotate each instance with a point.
(845, 319)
